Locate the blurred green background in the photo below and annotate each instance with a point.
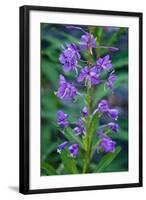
(53, 36)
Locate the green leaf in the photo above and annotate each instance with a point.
(121, 62)
(68, 162)
(107, 159)
(49, 169)
(91, 127)
(93, 122)
(48, 70)
(72, 137)
(115, 37)
(122, 135)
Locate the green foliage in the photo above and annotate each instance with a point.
(48, 169)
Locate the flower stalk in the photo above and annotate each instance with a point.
(88, 136)
(91, 76)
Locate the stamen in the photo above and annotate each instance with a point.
(65, 92)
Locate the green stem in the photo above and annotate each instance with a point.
(87, 159)
(88, 139)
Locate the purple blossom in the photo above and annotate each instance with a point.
(74, 50)
(104, 63)
(112, 78)
(83, 74)
(87, 41)
(103, 106)
(66, 91)
(62, 119)
(113, 126)
(89, 74)
(79, 129)
(107, 144)
(73, 149)
(113, 113)
(69, 57)
(62, 146)
(85, 111)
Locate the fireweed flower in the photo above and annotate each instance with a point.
(113, 113)
(103, 106)
(85, 111)
(66, 91)
(111, 80)
(89, 75)
(87, 40)
(62, 119)
(62, 146)
(107, 144)
(79, 129)
(104, 63)
(73, 149)
(113, 126)
(74, 50)
(69, 58)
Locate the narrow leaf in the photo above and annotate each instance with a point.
(107, 159)
(49, 169)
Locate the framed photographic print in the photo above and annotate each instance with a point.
(80, 99)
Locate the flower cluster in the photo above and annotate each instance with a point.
(107, 144)
(69, 58)
(89, 75)
(66, 90)
(103, 107)
(87, 41)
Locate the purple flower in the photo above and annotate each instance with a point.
(113, 126)
(89, 74)
(79, 129)
(66, 91)
(87, 41)
(85, 111)
(62, 119)
(111, 80)
(113, 113)
(62, 146)
(103, 106)
(107, 144)
(74, 49)
(83, 74)
(69, 58)
(104, 63)
(73, 149)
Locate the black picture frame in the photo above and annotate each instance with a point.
(24, 98)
